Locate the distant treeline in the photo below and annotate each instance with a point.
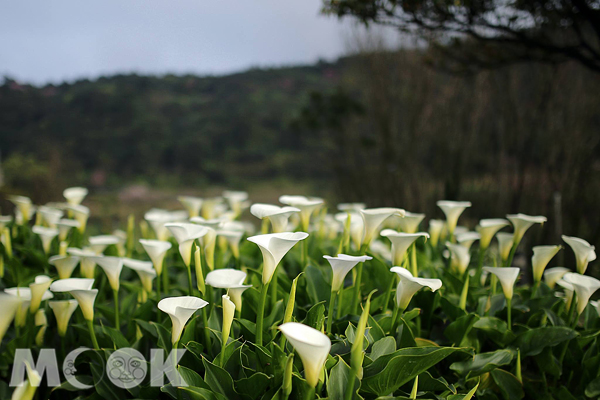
(378, 125)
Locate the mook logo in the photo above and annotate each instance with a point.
(125, 368)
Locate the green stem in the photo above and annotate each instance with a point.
(116, 297)
(158, 295)
(480, 265)
(273, 287)
(509, 313)
(396, 316)
(90, 325)
(310, 394)
(388, 293)
(165, 275)
(205, 329)
(330, 313)
(513, 250)
(413, 260)
(535, 288)
(357, 283)
(340, 302)
(572, 309)
(261, 313)
(190, 282)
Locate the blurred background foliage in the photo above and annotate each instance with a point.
(379, 125)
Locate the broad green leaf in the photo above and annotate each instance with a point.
(533, 341)
(509, 385)
(593, 388)
(219, 380)
(254, 386)
(467, 396)
(391, 371)
(338, 382)
(482, 363)
(191, 377)
(384, 346)
(316, 316)
(116, 336)
(428, 383)
(317, 287)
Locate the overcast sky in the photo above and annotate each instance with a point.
(51, 41)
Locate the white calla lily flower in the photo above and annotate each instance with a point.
(24, 294)
(225, 278)
(306, 206)
(569, 291)
(311, 345)
(460, 257)
(507, 277)
(38, 289)
(75, 195)
(81, 215)
(373, 218)
(228, 314)
(50, 215)
(453, 210)
(410, 222)
(40, 320)
(233, 239)
(274, 247)
(584, 252)
(5, 220)
(24, 206)
(145, 271)
(467, 239)
(401, 241)
(10, 305)
(522, 222)
(488, 228)
(81, 290)
(340, 266)
(237, 200)
(87, 264)
(236, 295)
(99, 243)
(192, 204)
(63, 310)
(156, 250)
(185, 233)
(64, 227)
(409, 285)
(553, 275)
(436, 226)
(46, 235)
(112, 267)
(351, 207)
(505, 244)
(180, 309)
(211, 207)
(65, 265)
(540, 259)
(278, 216)
(584, 286)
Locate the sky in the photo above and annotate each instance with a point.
(53, 41)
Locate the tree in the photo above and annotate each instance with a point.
(490, 33)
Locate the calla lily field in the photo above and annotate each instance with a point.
(297, 300)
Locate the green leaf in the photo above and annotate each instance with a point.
(384, 346)
(254, 386)
(116, 336)
(458, 331)
(509, 385)
(218, 380)
(317, 287)
(191, 393)
(593, 388)
(316, 316)
(339, 380)
(467, 396)
(533, 341)
(391, 371)
(191, 377)
(482, 363)
(428, 383)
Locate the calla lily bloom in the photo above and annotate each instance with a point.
(401, 241)
(488, 228)
(38, 289)
(99, 243)
(341, 265)
(372, 220)
(185, 233)
(24, 206)
(467, 239)
(460, 257)
(233, 239)
(228, 314)
(25, 296)
(121, 241)
(584, 252)
(81, 214)
(64, 227)
(277, 215)
(436, 226)
(410, 222)
(10, 305)
(112, 267)
(311, 345)
(156, 250)
(351, 207)
(145, 272)
(40, 320)
(65, 265)
(86, 259)
(81, 290)
(569, 291)
(521, 223)
(158, 218)
(237, 201)
(46, 235)
(26, 390)
(505, 244)
(236, 295)
(180, 309)
(191, 204)
(225, 278)
(75, 195)
(453, 210)
(304, 204)
(507, 277)
(63, 310)
(208, 241)
(210, 207)
(356, 226)
(584, 287)
(50, 215)
(274, 247)
(540, 259)
(5, 220)
(409, 285)
(553, 275)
